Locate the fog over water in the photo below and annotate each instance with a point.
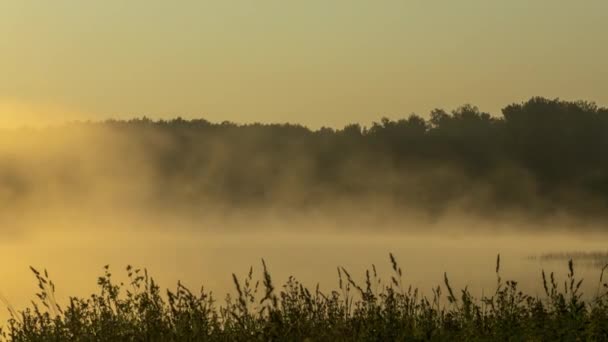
(75, 198)
(75, 258)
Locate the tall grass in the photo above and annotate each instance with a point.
(372, 310)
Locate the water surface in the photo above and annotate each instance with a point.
(76, 258)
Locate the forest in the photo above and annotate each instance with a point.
(540, 157)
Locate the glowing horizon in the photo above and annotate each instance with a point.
(314, 63)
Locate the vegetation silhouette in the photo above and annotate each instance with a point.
(372, 310)
(541, 157)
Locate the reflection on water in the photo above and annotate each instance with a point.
(597, 259)
(74, 260)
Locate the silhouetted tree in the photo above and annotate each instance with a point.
(559, 146)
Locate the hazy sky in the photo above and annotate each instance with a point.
(317, 62)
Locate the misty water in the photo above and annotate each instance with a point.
(72, 203)
(75, 257)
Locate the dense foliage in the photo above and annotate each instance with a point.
(373, 311)
(540, 157)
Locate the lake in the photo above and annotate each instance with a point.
(75, 257)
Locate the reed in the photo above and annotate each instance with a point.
(259, 311)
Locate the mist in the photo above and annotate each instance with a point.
(196, 201)
(463, 171)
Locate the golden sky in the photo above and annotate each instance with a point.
(316, 62)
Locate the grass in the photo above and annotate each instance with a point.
(373, 310)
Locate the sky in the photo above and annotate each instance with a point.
(314, 62)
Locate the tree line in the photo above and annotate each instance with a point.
(540, 156)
